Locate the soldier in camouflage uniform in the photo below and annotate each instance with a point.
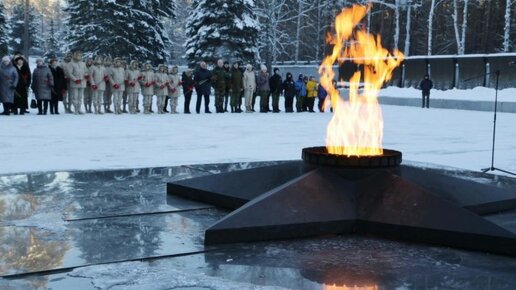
(219, 84)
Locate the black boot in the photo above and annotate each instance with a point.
(7, 109)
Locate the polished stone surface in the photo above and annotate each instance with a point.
(79, 227)
(302, 199)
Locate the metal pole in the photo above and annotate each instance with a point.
(494, 121)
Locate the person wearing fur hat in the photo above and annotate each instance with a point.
(173, 91)
(147, 83)
(78, 74)
(88, 94)
(249, 87)
(8, 82)
(263, 88)
(42, 85)
(117, 81)
(67, 99)
(161, 87)
(24, 80)
(108, 93)
(133, 76)
(98, 84)
(59, 85)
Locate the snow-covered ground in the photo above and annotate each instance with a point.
(69, 142)
(475, 94)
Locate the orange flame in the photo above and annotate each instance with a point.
(356, 128)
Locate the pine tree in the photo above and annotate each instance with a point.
(3, 31)
(120, 28)
(222, 29)
(17, 28)
(52, 44)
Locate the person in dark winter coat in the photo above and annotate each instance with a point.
(275, 83)
(42, 86)
(202, 79)
(59, 86)
(227, 70)
(8, 82)
(289, 91)
(425, 86)
(321, 96)
(236, 86)
(188, 87)
(24, 79)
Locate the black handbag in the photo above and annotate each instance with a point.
(33, 104)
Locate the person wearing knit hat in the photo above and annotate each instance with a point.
(8, 82)
(42, 84)
(263, 88)
(275, 83)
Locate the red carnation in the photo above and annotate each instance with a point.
(94, 87)
(78, 82)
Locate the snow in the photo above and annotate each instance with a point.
(445, 137)
(475, 94)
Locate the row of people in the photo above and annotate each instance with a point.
(98, 84)
(233, 83)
